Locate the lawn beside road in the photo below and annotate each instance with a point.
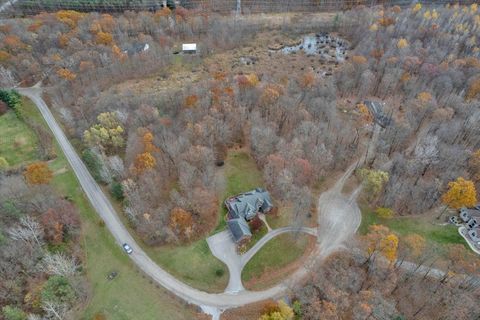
(270, 265)
(18, 143)
(130, 295)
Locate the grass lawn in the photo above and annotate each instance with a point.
(446, 234)
(130, 295)
(17, 140)
(275, 255)
(194, 264)
(241, 175)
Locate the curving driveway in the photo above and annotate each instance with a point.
(331, 217)
(223, 247)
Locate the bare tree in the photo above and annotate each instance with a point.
(29, 231)
(59, 264)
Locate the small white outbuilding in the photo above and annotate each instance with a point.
(189, 48)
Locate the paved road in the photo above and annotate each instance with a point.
(210, 303)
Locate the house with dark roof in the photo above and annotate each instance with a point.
(376, 109)
(470, 216)
(243, 208)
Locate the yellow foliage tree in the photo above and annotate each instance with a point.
(417, 7)
(69, 17)
(144, 161)
(282, 312)
(389, 246)
(4, 56)
(104, 38)
(366, 115)
(402, 43)
(424, 97)
(460, 193)
(107, 133)
(38, 173)
(384, 212)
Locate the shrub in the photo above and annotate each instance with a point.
(12, 99)
(219, 272)
(13, 313)
(384, 212)
(38, 173)
(58, 289)
(93, 163)
(3, 164)
(117, 190)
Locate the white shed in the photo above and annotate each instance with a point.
(189, 48)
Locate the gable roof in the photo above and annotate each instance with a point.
(472, 213)
(246, 205)
(239, 229)
(376, 108)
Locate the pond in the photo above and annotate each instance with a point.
(326, 46)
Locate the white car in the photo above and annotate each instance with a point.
(127, 248)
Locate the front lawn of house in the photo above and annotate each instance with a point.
(241, 175)
(439, 234)
(271, 264)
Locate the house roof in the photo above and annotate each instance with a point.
(473, 213)
(239, 229)
(246, 205)
(136, 48)
(189, 47)
(376, 108)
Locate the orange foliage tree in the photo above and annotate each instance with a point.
(181, 222)
(473, 90)
(307, 80)
(13, 43)
(147, 140)
(191, 101)
(38, 173)
(66, 74)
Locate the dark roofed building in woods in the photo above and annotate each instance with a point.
(243, 208)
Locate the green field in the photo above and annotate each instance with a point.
(17, 141)
(439, 234)
(276, 254)
(130, 295)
